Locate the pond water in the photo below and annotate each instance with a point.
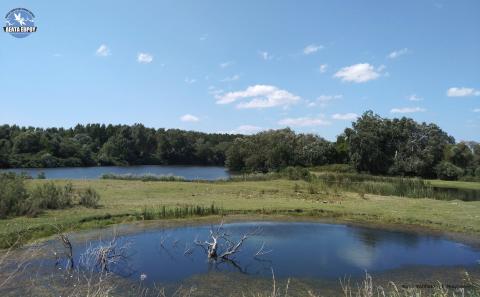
(299, 250)
(456, 193)
(188, 172)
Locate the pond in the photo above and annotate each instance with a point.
(456, 193)
(187, 172)
(311, 253)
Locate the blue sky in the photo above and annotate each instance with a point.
(244, 66)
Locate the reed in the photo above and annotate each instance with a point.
(143, 177)
(186, 211)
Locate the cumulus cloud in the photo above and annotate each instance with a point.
(398, 53)
(323, 68)
(231, 78)
(345, 116)
(414, 97)
(246, 129)
(359, 73)
(312, 48)
(462, 92)
(103, 51)
(259, 96)
(189, 118)
(144, 58)
(407, 110)
(304, 122)
(266, 55)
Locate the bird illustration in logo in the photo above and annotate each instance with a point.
(19, 19)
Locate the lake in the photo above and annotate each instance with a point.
(312, 254)
(187, 172)
(457, 193)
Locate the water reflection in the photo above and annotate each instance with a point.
(187, 172)
(307, 250)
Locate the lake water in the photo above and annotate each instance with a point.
(320, 253)
(460, 194)
(188, 172)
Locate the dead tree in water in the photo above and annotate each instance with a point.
(221, 244)
(105, 255)
(68, 250)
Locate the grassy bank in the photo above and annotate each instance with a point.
(124, 201)
(456, 184)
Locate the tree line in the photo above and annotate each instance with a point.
(373, 144)
(101, 145)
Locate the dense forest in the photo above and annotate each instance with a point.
(373, 145)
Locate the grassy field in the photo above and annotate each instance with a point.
(123, 201)
(455, 184)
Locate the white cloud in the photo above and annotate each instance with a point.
(189, 118)
(266, 55)
(476, 110)
(259, 96)
(359, 73)
(323, 68)
(212, 90)
(304, 122)
(407, 110)
(398, 53)
(345, 116)
(246, 129)
(231, 78)
(414, 97)
(312, 48)
(462, 92)
(324, 100)
(144, 58)
(190, 80)
(328, 98)
(226, 64)
(103, 51)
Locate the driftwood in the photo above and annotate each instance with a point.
(105, 255)
(221, 244)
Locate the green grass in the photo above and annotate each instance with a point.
(455, 184)
(125, 201)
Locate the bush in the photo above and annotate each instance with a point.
(296, 173)
(448, 171)
(339, 168)
(89, 198)
(50, 196)
(13, 195)
(41, 175)
(477, 172)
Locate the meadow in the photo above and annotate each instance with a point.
(133, 200)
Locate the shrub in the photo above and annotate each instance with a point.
(448, 171)
(89, 198)
(50, 196)
(13, 195)
(477, 172)
(41, 175)
(296, 173)
(340, 168)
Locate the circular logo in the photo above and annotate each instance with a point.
(19, 22)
